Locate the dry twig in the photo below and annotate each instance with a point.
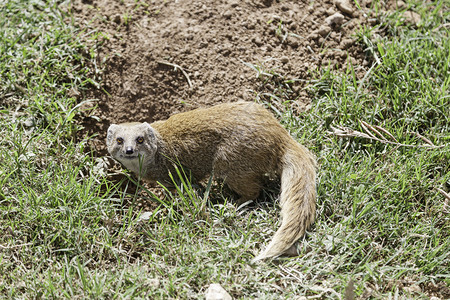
(447, 198)
(15, 246)
(341, 131)
(163, 62)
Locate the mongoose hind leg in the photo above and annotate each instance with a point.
(247, 188)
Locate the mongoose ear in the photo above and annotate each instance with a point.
(149, 130)
(111, 130)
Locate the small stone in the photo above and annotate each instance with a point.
(250, 26)
(227, 14)
(346, 43)
(321, 10)
(234, 3)
(413, 289)
(276, 18)
(350, 25)
(225, 51)
(336, 19)
(412, 17)
(267, 3)
(400, 4)
(294, 43)
(216, 292)
(117, 19)
(334, 36)
(313, 36)
(257, 41)
(344, 6)
(145, 216)
(324, 30)
(29, 122)
(284, 59)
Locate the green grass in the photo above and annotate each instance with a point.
(382, 221)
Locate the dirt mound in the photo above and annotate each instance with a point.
(164, 57)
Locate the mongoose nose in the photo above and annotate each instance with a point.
(129, 150)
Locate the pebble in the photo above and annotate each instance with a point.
(257, 41)
(294, 43)
(324, 30)
(313, 36)
(401, 4)
(29, 122)
(234, 3)
(412, 17)
(336, 19)
(330, 11)
(251, 26)
(413, 289)
(216, 292)
(227, 14)
(344, 6)
(284, 59)
(117, 19)
(346, 43)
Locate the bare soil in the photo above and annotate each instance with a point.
(164, 57)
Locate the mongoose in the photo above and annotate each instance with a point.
(240, 143)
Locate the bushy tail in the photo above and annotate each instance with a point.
(297, 200)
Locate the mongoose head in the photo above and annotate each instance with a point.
(132, 144)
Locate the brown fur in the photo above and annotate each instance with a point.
(241, 143)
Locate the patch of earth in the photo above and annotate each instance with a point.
(165, 57)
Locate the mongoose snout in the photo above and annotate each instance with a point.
(129, 150)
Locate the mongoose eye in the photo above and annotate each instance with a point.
(119, 141)
(140, 140)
